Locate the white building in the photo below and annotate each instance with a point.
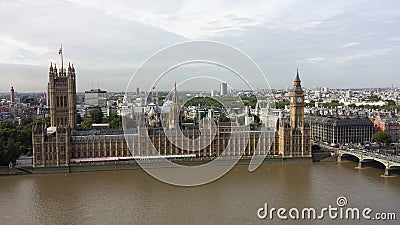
(223, 88)
(96, 97)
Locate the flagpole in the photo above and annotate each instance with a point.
(62, 59)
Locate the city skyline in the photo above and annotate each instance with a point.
(337, 44)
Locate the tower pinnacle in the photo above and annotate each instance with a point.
(174, 110)
(297, 80)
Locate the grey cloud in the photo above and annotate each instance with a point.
(106, 43)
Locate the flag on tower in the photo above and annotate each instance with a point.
(61, 53)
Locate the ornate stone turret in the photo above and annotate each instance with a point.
(174, 111)
(62, 96)
(12, 96)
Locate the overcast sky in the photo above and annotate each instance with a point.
(341, 43)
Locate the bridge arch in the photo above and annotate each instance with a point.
(378, 163)
(351, 157)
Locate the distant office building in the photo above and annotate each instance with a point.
(341, 130)
(223, 89)
(349, 94)
(213, 93)
(317, 94)
(96, 97)
(137, 92)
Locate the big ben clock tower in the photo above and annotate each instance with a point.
(293, 138)
(297, 104)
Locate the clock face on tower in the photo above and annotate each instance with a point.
(299, 99)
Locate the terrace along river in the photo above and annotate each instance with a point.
(133, 197)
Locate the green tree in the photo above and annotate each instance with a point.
(78, 118)
(47, 120)
(187, 120)
(115, 121)
(223, 118)
(390, 103)
(382, 137)
(249, 101)
(310, 104)
(26, 121)
(96, 115)
(257, 119)
(352, 105)
(7, 124)
(8, 135)
(281, 105)
(87, 123)
(203, 101)
(16, 140)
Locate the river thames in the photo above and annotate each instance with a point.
(134, 197)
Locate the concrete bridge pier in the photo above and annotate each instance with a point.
(362, 163)
(387, 173)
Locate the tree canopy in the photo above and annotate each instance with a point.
(115, 121)
(382, 137)
(87, 123)
(203, 101)
(96, 115)
(249, 101)
(281, 105)
(16, 140)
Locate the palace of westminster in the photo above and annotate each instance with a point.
(62, 142)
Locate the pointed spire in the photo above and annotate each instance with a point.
(51, 65)
(297, 81)
(297, 76)
(175, 95)
(174, 110)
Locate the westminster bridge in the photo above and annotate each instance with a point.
(365, 158)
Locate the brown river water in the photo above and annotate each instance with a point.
(134, 197)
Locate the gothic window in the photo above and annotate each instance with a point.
(65, 101)
(58, 101)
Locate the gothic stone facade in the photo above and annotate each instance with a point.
(293, 136)
(62, 144)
